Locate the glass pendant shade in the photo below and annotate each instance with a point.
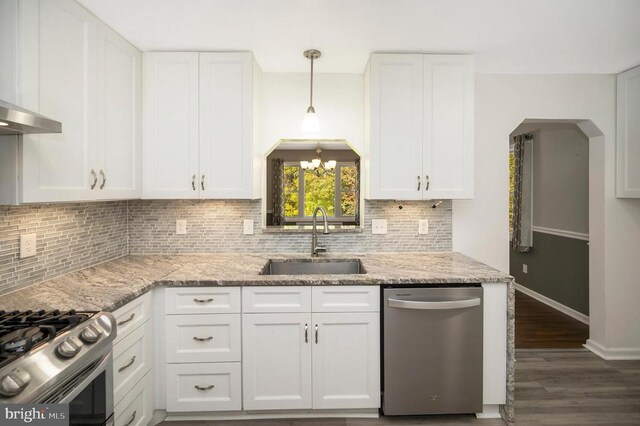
(330, 165)
(315, 163)
(304, 165)
(310, 121)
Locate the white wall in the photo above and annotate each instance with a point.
(337, 99)
(480, 226)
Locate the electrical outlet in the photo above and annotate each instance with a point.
(27, 245)
(248, 227)
(524, 268)
(423, 226)
(378, 226)
(181, 227)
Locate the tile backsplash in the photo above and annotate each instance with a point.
(77, 235)
(216, 226)
(69, 237)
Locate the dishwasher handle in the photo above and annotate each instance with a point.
(449, 304)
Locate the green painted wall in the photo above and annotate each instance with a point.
(558, 268)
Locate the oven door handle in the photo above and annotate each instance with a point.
(448, 304)
(101, 367)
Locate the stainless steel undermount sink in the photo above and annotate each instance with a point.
(313, 267)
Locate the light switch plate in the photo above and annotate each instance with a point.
(27, 245)
(378, 226)
(248, 227)
(181, 227)
(423, 226)
(524, 268)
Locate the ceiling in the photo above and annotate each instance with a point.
(312, 144)
(507, 36)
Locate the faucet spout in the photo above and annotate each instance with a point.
(315, 249)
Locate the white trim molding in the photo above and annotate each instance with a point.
(561, 233)
(613, 353)
(555, 305)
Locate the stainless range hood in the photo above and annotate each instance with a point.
(19, 121)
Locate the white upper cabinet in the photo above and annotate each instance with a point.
(58, 75)
(628, 135)
(170, 135)
(67, 65)
(117, 156)
(200, 125)
(396, 147)
(419, 126)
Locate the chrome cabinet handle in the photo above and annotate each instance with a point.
(203, 300)
(131, 420)
(193, 182)
(200, 388)
(316, 333)
(104, 179)
(129, 364)
(123, 322)
(426, 181)
(419, 182)
(203, 339)
(430, 305)
(306, 333)
(95, 178)
(202, 182)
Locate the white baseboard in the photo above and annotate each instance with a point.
(276, 414)
(555, 305)
(489, 411)
(613, 353)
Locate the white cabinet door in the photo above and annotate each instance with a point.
(276, 361)
(57, 66)
(628, 140)
(346, 360)
(226, 127)
(395, 142)
(117, 147)
(448, 126)
(170, 129)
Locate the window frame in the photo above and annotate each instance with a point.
(301, 218)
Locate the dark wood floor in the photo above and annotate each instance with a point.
(552, 388)
(539, 326)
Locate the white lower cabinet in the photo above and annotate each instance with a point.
(346, 360)
(319, 360)
(132, 359)
(204, 387)
(276, 353)
(203, 338)
(136, 408)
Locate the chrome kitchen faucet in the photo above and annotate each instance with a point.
(315, 249)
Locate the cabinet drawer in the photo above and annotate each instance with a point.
(202, 300)
(132, 359)
(136, 408)
(276, 299)
(132, 315)
(346, 299)
(203, 387)
(203, 338)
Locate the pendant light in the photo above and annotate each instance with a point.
(310, 121)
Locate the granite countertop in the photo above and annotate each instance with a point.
(112, 284)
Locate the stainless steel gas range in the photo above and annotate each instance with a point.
(53, 357)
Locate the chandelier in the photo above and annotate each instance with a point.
(317, 165)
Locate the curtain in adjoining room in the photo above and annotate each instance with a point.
(278, 191)
(357, 193)
(522, 239)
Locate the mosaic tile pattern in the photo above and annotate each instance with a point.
(215, 226)
(69, 237)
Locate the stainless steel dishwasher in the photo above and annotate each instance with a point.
(432, 350)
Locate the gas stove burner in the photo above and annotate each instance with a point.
(22, 331)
